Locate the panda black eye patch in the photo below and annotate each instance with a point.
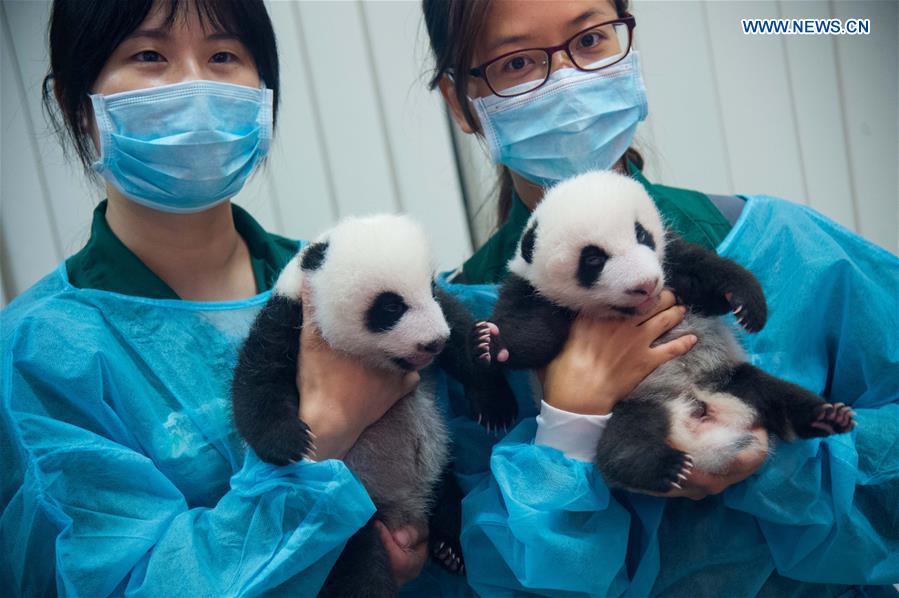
(385, 311)
(644, 237)
(593, 260)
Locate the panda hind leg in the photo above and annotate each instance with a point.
(788, 409)
(633, 451)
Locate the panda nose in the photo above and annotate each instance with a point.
(432, 347)
(645, 288)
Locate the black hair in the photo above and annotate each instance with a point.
(83, 34)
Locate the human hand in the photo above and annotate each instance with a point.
(701, 484)
(340, 396)
(407, 549)
(604, 360)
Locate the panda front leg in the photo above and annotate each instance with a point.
(713, 285)
(264, 392)
(362, 569)
(788, 409)
(489, 396)
(525, 331)
(633, 452)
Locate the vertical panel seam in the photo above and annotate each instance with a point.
(719, 108)
(844, 123)
(29, 125)
(316, 112)
(380, 108)
(807, 200)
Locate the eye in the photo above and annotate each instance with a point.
(148, 56)
(394, 308)
(518, 64)
(223, 58)
(594, 260)
(590, 39)
(644, 237)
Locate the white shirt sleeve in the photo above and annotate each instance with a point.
(574, 434)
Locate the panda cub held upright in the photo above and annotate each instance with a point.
(373, 297)
(596, 245)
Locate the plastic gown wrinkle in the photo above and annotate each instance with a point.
(116, 421)
(822, 511)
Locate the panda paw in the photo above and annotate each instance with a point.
(285, 442)
(493, 406)
(749, 308)
(832, 418)
(448, 554)
(487, 344)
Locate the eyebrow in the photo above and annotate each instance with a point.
(518, 39)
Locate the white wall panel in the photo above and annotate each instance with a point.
(868, 70)
(30, 245)
(355, 145)
(683, 97)
(818, 109)
(755, 98)
(416, 125)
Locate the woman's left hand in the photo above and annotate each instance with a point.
(701, 484)
(407, 548)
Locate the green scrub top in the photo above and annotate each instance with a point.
(106, 264)
(691, 214)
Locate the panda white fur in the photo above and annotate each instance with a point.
(373, 297)
(596, 244)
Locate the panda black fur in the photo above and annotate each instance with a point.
(596, 244)
(373, 297)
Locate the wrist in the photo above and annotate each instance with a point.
(332, 434)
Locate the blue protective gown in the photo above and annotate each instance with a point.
(122, 472)
(823, 511)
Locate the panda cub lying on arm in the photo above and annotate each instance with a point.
(374, 297)
(596, 244)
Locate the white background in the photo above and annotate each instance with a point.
(809, 118)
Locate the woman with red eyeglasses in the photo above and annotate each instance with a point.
(554, 89)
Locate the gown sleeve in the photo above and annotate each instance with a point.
(544, 523)
(829, 509)
(87, 510)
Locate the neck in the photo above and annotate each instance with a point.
(200, 256)
(531, 193)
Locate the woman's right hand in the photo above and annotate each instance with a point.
(604, 360)
(340, 396)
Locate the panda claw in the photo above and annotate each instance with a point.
(676, 485)
(737, 310)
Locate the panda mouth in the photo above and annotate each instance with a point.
(414, 362)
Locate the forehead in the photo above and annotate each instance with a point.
(513, 24)
(201, 17)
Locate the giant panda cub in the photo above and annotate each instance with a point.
(373, 297)
(596, 244)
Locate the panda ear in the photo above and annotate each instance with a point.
(314, 256)
(527, 243)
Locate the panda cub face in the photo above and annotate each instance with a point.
(370, 282)
(595, 243)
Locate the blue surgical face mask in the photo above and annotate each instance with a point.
(185, 147)
(577, 121)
